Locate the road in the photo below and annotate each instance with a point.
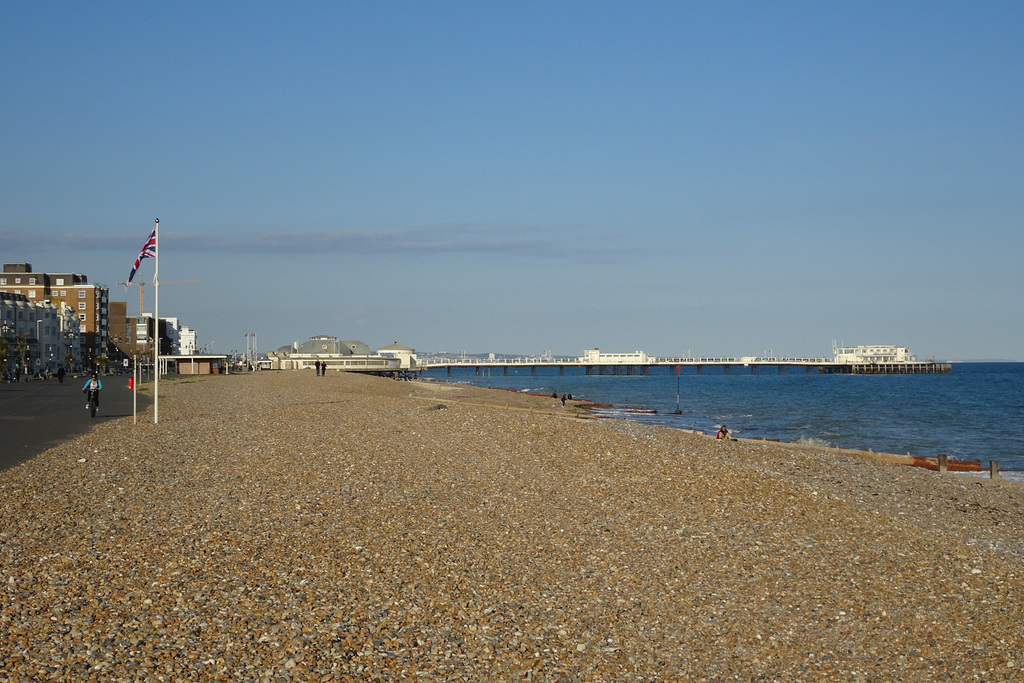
(40, 414)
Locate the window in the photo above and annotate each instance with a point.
(32, 294)
(31, 280)
(81, 316)
(60, 281)
(17, 280)
(63, 292)
(3, 281)
(81, 305)
(81, 294)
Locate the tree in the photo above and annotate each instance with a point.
(101, 361)
(5, 346)
(21, 347)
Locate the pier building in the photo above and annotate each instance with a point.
(595, 357)
(873, 354)
(339, 354)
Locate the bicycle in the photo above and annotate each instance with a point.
(93, 402)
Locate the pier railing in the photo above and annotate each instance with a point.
(635, 367)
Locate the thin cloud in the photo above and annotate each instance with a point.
(521, 241)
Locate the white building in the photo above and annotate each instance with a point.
(405, 355)
(49, 331)
(186, 341)
(171, 333)
(334, 353)
(595, 357)
(874, 354)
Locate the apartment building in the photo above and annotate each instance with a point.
(89, 302)
(39, 335)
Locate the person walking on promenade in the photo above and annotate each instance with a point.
(60, 373)
(316, 364)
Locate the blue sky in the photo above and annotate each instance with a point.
(712, 178)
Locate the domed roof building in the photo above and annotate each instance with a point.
(340, 354)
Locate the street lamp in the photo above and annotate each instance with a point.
(5, 328)
(39, 347)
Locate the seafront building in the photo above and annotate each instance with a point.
(89, 303)
(62, 318)
(39, 335)
(186, 341)
(405, 355)
(340, 354)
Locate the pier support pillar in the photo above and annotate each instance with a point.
(505, 368)
(533, 370)
(754, 370)
(449, 371)
(942, 463)
(561, 370)
(993, 469)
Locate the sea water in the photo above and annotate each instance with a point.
(975, 412)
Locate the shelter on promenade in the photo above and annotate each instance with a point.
(194, 364)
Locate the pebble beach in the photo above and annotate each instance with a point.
(278, 526)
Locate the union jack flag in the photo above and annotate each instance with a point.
(148, 251)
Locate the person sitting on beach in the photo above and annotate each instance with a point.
(723, 433)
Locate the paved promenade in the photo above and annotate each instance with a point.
(39, 414)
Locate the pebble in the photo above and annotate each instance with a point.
(276, 526)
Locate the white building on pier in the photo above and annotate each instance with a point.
(594, 356)
(874, 354)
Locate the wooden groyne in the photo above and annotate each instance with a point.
(952, 465)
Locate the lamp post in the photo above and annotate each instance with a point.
(39, 347)
(5, 328)
(248, 348)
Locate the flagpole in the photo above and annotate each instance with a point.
(156, 323)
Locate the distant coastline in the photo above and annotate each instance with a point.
(983, 360)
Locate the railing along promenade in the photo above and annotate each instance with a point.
(751, 366)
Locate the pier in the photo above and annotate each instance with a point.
(728, 366)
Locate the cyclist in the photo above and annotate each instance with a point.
(92, 384)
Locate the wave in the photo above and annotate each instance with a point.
(814, 441)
